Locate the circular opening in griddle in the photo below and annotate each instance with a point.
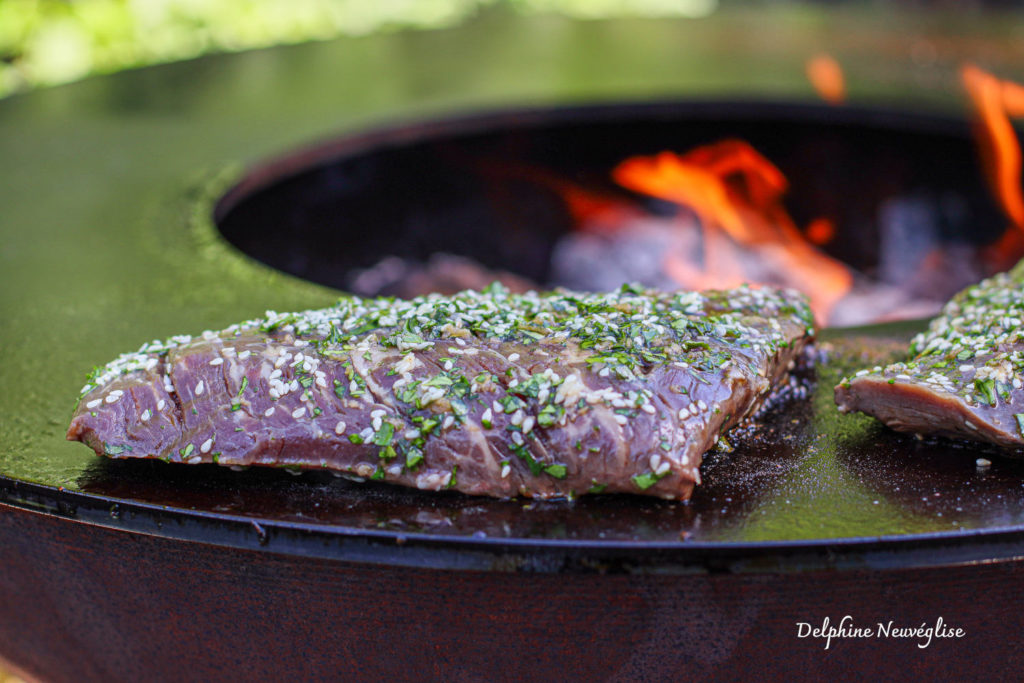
(896, 189)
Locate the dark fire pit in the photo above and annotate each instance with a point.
(125, 570)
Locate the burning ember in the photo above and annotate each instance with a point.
(825, 74)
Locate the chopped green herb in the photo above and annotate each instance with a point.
(413, 457)
(987, 388)
(646, 480)
(556, 471)
(384, 435)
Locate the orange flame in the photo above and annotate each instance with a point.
(736, 195)
(993, 101)
(825, 74)
(820, 231)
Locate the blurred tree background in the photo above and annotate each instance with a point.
(47, 42)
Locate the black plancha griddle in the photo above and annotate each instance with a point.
(124, 570)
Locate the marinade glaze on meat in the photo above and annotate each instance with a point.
(963, 379)
(488, 393)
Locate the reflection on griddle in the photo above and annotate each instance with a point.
(939, 478)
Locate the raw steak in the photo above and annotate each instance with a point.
(964, 376)
(490, 393)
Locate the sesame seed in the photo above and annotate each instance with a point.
(244, 354)
(160, 404)
(217, 361)
(94, 403)
(112, 398)
(339, 428)
(206, 445)
(199, 388)
(621, 419)
(505, 469)
(983, 462)
(528, 424)
(146, 414)
(513, 357)
(299, 412)
(269, 411)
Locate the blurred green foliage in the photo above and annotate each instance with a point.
(46, 42)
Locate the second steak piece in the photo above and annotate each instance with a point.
(487, 393)
(964, 376)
